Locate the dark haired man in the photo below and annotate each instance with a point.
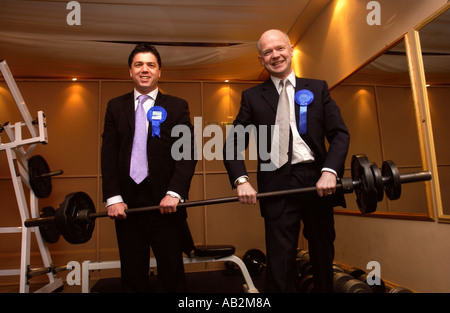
(138, 170)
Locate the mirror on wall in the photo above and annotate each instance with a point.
(377, 104)
(435, 45)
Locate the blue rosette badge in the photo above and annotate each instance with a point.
(156, 115)
(303, 98)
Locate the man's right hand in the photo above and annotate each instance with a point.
(246, 193)
(116, 211)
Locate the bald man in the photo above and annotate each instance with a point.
(312, 117)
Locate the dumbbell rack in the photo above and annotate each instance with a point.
(18, 150)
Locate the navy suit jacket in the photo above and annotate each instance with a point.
(165, 172)
(324, 121)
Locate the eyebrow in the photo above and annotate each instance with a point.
(142, 62)
(275, 48)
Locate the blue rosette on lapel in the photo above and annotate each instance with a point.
(303, 98)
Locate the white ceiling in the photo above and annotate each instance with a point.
(197, 39)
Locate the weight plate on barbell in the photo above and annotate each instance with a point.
(393, 186)
(378, 180)
(41, 186)
(50, 234)
(366, 194)
(72, 228)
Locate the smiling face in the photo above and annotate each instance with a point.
(275, 53)
(145, 72)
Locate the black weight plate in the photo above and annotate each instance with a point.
(303, 255)
(378, 180)
(50, 234)
(41, 186)
(306, 284)
(356, 286)
(73, 229)
(304, 268)
(355, 272)
(376, 288)
(255, 261)
(366, 194)
(339, 280)
(393, 186)
(399, 289)
(337, 268)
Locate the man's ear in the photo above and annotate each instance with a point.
(261, 60)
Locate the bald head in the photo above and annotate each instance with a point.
(271, 34)
(275, 53)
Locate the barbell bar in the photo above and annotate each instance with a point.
(45, 270)
(76, 215)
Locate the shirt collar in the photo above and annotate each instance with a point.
(290, 77)
(152, 93)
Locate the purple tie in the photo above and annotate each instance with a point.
(139, 166)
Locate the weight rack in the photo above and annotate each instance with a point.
(18, 150)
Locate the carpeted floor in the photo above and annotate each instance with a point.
(225, 281)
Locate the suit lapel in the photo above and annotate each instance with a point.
(270, 94)
(129, 109)
(160, 100)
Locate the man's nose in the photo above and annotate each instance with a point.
(275, 55)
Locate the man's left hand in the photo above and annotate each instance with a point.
(168, 204)
(326, 185)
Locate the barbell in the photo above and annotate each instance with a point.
(40, 177)
(75, 216)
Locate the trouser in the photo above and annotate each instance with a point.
(282, 235)
(162, 233)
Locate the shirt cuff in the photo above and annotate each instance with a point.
(326, 169)
(175, 195)
(245, 176)
(113, 200)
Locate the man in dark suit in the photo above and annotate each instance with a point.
(154, 179)
(307, 163)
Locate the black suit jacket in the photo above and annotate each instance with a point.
(324, 121)
(164, 171)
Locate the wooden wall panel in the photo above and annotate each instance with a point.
(398, 125)
(359, 111)
(439, 110)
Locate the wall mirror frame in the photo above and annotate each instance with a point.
(431, 48)
(433, 205)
